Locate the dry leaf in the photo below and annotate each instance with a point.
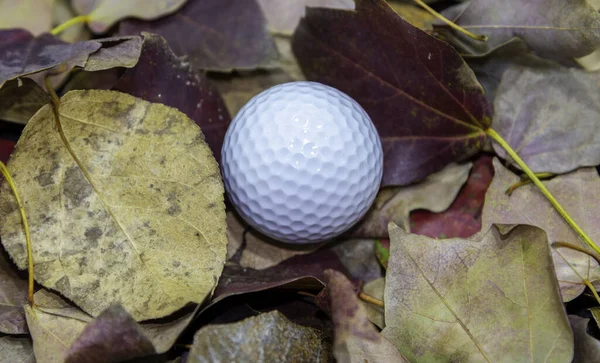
(16, 349)
(375, 313)
(145, 228)
(577, 192)
(394, 204)
(103, 14)
(358, 256)
(414, 14)
(20, 99)
(356, 340)
(33, 15)
(587, 348)
(268, 337)
(491, 299)
(13, 295)
(253, 250)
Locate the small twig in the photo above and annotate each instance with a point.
(69, 23)
(370, 299)
(303, 293)
(481, 37)
(525, 181)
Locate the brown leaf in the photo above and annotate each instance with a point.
(161, 77)
(253, 250)
(144, 225)
(112, 337)
(33, 15)
(268, 337)
(214, 43)
(358, 256)
(375, 313)
(493, 298)
(394, 204)
(103, 14)
(20, 99)
(356, 339)
(577, 192)
(13, 295)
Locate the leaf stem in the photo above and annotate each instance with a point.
(577, 248)
(525, 181)
(480, 37)
(592, 289)
(69, 23)
(370, 299)
(494, 135)
(13, 187)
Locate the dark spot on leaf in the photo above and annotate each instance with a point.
(76, 187)
(63, 284)
(176, 263)
(92, 235)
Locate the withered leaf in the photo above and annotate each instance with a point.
(489, 299)
(375, 289)
(251, 249)
(552, 28)
(268, 337)
(394, 204)
(13, 295)
(424, 100)
(54, 325)
(103, 14)
(414, 14)
(20, 99)
(33, 15)
(283, 16)
(162, 77)
(358, 256)
(112, 337)
(143, 226)
(17, 349)
(550, 116)
(356, 339)
(24, 54)
(577, 192)
(587, 348)
(211, 42)
(463, 217)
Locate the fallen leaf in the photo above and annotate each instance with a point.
(549, 116)
(463, 217)
(424, 100)
(268, 337)
(283, 17)
(54, 325)
(33, 15)
(17, 349)
(356, 339)
(489, 299)
(20, 99)
(162, 77)
(595, 311)
(102, 14)
(375, 313)
(287, 60)
(577, 193)
(112, 337)
(301, 272)
(587, 348)
(237, 90)
(552, 28)
(150, 208)
(413, 14)
(82, 80)
(214, 43)
(394, 204)
(252, 250)
(358, 256)
(13, 295)
(24, 55)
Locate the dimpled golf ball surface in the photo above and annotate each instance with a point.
(302, 162)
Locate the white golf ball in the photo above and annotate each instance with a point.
(302, 162)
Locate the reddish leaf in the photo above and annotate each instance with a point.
(215, 34)
(425, 101)
(162, 77)
(6, 148)
(463, 218)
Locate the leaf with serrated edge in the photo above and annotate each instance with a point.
(147, 229)
(268, 337)
(104, 13)
(424, 100)
(577, 192)
(491, 299)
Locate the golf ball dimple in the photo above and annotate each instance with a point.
(302, 162)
